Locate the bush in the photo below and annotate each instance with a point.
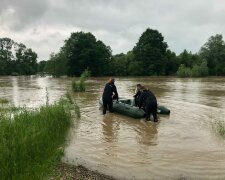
(184, 71)
(80, 86)
(197, 70)
(200, 70)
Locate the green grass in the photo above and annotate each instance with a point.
(80, 85)
(73, 102)
(219, 127)
(4, 101)
(32, 142)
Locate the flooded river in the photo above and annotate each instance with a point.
(180, 146)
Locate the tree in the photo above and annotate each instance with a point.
(184, 71)
(150, 52)
(213, 51)
(57, 65)
(172, 63)
(121, 64)
(83, 51)
(6, 55)
(41, 66)
(16, 58)
(200, 70)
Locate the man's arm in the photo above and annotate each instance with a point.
(116, 94)
(141, 100)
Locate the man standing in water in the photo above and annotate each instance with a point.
(137, 94)
(109, 94)
(149, 101)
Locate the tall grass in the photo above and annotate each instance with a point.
(30, 143)
(80, 86)
(219, 127)
(4, 101)
(73, 102)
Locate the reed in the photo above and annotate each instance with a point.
(31, 142)
(73, 102)
(219, 127)
(4, 101)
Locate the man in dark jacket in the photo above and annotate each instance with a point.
(109, 94)
(137, 94)
(149, 102)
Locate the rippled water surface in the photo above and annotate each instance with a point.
(182, 145)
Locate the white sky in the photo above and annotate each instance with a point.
(43, 25)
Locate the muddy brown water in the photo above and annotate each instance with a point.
(180, 146)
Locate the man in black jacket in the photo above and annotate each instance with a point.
(110, 93)
(149, 102)
(137, 94)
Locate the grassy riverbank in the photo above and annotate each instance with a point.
(31, 142)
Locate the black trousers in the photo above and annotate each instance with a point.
(151, 108)
(107, 104)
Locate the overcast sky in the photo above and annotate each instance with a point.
(43, 25)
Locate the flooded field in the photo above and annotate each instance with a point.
(182, 145)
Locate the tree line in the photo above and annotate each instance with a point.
(16, 58)
(149, 57)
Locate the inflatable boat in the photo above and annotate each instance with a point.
(126, 107)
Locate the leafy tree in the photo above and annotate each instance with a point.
(184, 71)
(83, 51)
(16, 58)
(57, 65)
(150, 52)
(41, 66)
(186, 59)
(172, 63)
(200, 70)
(121, 64)
(6, 55)
(213, 51)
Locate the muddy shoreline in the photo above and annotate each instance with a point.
(65, 171)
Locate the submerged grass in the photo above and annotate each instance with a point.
(80, 86)
(4, 101)
(73, 102)
(219, 127)
(31, 142)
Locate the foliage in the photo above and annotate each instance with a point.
(4, 101)
(219, 127)
(150, 51)
(172, 63)
(184, 71)
(41, 66)
(80, 86)
(76, 107)
(16, 58)
(150, 56)
(30, 142)
(57, 65)
(83, 51)
(214, 53)
(200, 70)
(196, 71)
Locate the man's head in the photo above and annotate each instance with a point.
(142, 88)
(111, 80)
(138, 86)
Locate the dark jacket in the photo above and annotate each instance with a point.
(146, 98)
(109, 89)
(138, 93)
